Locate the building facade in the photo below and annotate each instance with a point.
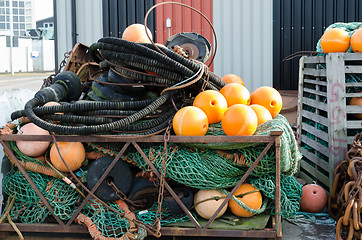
(15, 12)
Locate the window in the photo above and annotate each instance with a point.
(16, 26)
(15, 3)
(2, 18)
(2, 10)
(21, 19)
(15, 11)
(2, 25)
(21, 3)
(16, 33)
(7, 10)
(15, 18)
(7, 3)
(8, 18)
(2, 3)
(21, 11)
(22, 25)
(22, 33)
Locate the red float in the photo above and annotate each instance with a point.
(314, 198)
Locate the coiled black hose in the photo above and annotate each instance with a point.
(133, 60)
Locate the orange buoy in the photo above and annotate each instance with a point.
(190, 121)
(356, 101)
(335, 40)
(32, 148)
(232, 78)
(262, 113)
(73, 154)
(356, 41)
(212, 103)
(269, 98)
(136, 33)
(314, 198)
(253, 200)
(208, 201)
(235, 93)
(238, 120)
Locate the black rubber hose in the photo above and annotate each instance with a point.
(109, 113)
(145, 51)
(85, 106)
(83, 130)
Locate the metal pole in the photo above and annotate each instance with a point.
(11, 37)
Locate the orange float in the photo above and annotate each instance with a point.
(190, 121)
(335, 40)
(232, 78)
(356, 41)
(262, 113)
(235, 93)
(32, 148)
(136, 33)
(269, 98)
(356, 101)
(253, 200)
(212, 103)
(73, 154)
(239, 120)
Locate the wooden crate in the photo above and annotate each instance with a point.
(325, 125)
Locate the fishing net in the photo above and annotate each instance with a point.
(28, 205)
(217, 166)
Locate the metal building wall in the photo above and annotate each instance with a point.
(76, 21)
(244, 34)
(298, 25)
(118, 14)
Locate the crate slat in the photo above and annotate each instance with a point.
(315, 103)
(315, 59)
(313, 158)
(352, 56)
(313, 171)
(354, 124)
(315, 131)
(317, 118)
(353, 94)
(315, 72)
(312, 91)
(354, 84)
(316, 82)
(353, 69)
(316, 145)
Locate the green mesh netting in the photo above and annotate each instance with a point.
(28, 205)
(291, 193)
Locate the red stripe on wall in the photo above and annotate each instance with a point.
(183, 19)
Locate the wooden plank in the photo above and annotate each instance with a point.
(313, 158)
(312, 81)
(312, 91)
(353, 69)
(316, 145)
(354, 84)
(315, 72)
(314, 172)
(351, 56)
(350, 140)
(315, 103)
(354, 124)
(300, 95)
(315, 59)
(306, 177)
(315, 131)
(315, 117)
(353, 94)
(336, 109)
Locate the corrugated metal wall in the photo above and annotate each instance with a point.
(298, 25)
(76, 21)
(244, 34)
(118, 14)
(183, 19)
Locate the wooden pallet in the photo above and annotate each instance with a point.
(325, 125)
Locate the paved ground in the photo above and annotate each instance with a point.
(31, 81)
